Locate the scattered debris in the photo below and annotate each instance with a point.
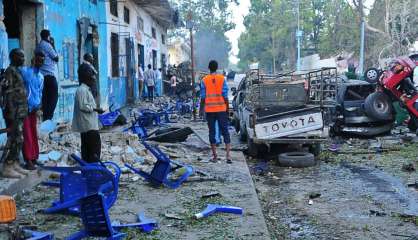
(54, 156)
(413, 185)
(211, 194)
(377, 213)
(47, 127)
(173, 216)
(314, 195)
(410, 167)
(260, 168)
(408, 218)
(171, 135)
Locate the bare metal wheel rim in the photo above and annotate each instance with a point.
(372, 74)
(381, 105)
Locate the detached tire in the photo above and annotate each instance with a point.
(372, 75)
(296, 159)
(378, 106)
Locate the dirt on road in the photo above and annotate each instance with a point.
(356, 193)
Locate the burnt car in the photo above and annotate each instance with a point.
(351, 115)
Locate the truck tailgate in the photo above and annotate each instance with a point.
(286, 125)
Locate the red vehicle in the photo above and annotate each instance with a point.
(396, 83)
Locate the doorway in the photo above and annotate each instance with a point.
(141, 56)
(23, 17)
(88, 42)
(130, 71)
(154, 59)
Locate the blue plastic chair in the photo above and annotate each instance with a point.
(162, 169)
(108, 119)
(78, 182)
(145, 224)
(96, 220)
(34, 235)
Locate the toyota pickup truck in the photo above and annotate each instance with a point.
(286, 109)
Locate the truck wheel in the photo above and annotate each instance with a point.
(378, 106)
(252, 148)
(372, 75)
(243, 134)
(297, 159)
(315, 149)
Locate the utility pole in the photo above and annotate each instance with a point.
(274, 52)
(362, 40)
(189, 25)
(299, 35)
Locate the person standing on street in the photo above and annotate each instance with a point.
(15, 109)
(34, 81)
(173, 85)
(85, 118)
(149, 77)
(88, 61)
(50, 91)
(140, 81)
(214, 101)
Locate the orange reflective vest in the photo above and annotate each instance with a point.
(214, 101)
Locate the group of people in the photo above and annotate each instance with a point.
(152, 79)
(26, 90)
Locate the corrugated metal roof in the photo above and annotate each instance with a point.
(161, 10)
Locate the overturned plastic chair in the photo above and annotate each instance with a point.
(78, 182)
(96, 220)
(108, 119)
(162, 169)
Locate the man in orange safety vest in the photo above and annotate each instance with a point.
(214, 101)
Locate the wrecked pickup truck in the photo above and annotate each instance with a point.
(283, 109)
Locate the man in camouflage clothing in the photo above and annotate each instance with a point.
(15, 110)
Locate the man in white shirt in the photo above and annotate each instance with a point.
(85, 119)
(140, 81)
(173, 84)
(149, 77)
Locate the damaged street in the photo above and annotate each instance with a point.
(208, 120)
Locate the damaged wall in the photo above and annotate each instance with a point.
(139, 31)
(62, 19)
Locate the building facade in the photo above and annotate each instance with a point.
(119, 34)
(137, 33)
